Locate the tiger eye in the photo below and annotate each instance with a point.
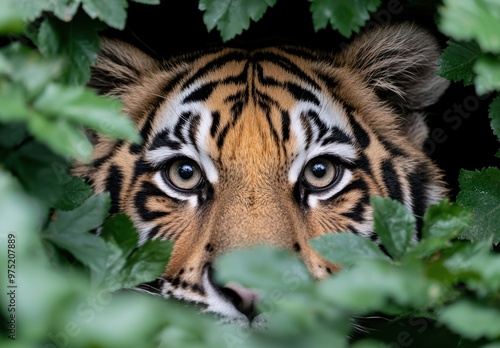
(319, 173)
(184, 174)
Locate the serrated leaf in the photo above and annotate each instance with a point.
(494, 114)
(472, 20)
(487, 70)
(346, 16)
(76, 41)
(147, 263)
(231, 17)
(457, 60)
(479, 193)
(128, 265)
(347, 248)
(394, 224)
(111, 12)
(63, 137)
(82, 106)
(70, 230)
(371, 285)
(445, 220)
(74, 192)
(471, 320)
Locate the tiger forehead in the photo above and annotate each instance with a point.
(244, 109)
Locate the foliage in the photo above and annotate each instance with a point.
(72, 284)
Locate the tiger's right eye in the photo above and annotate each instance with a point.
(184, 174)
(320, 173)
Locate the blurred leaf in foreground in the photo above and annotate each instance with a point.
(479, 193)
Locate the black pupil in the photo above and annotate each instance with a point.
(186, 171)
(318, 170)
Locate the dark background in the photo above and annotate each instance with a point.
(461, 136)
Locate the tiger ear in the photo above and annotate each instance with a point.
(118, 67)
(400, 62)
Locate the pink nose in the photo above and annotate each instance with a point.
(243, 299)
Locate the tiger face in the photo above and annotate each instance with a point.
(272, 146)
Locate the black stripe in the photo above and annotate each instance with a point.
(362, 137)
(215, 123)
(182, 120)
(356, 214)
(147, 191)
(335, 135)
(98, 162)
(202, 93)
(141, 167)
(306, 124)
(222, 136)
(313, 115)
(267, 110)
(193, 127)
(146, 128)
(163, 139)
(285, 125)
(215, 64)
(287, 65)
(391, 181)
(154, 231)
(301, 94)
(356, 185)
(418, 182)
(114, 182)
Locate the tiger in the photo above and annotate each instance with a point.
(272, 145)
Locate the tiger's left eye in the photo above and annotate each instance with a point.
(320, 173)
(184, 174)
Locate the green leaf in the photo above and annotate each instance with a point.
(347, 248)
(74, 193)
(487, 70)
(37, 178)
(20, 213)
(445, 220)
(83, 106)
(442, 223)
(29, 70)
(471, 320)
(70, 230)
(12, 134)
(61, 136)
(373, 285)
(394, 224)
(65, 9)
(77, 41)
(472, 20)
(231, 17)
(14, 103)
(251, 268)
(457, 60)
(111, 12)
(346, 16)
(148, 2)
(494, 113)
(127, 266)
(12, 19)
(479, 193)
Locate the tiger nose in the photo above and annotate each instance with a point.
(263, 223)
